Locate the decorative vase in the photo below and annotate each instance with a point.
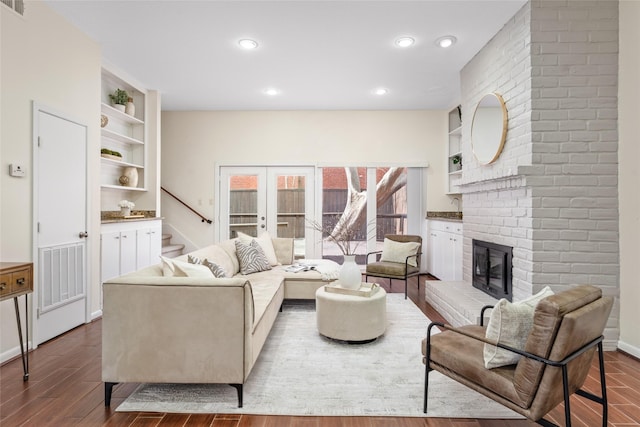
(129, 177)
(130, 107)
(125, 211)
(119, 107)
(350, 276)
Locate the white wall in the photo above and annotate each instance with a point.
(629, 177)
(44, 59)
(194, 142)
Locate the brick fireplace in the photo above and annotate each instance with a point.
(552, 194)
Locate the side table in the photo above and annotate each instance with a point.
(16, 279)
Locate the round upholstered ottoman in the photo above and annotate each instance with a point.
(351, 318)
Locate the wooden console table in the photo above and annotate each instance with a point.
(16, 279)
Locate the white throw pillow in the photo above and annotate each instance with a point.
(510, 324)
(393, 251)
(185, 269)
(264, 240)
(167, 267)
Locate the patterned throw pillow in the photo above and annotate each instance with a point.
(251, 257)
(216, 269)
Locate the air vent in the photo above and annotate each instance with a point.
(15, 5)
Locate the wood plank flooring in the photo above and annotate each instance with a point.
(65, 389)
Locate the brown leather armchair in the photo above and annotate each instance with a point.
(396, 270)
(567, 331)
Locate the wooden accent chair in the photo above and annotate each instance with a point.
(397, 265)
(567, 329)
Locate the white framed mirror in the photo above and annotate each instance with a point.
(489, 128)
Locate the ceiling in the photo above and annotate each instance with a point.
(320, 55)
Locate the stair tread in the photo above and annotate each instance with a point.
(174, 247)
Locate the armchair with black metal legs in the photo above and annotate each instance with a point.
(402, 264)
(566, 334)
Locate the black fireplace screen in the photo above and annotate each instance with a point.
(492, 268)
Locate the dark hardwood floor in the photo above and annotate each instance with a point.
(64, 389)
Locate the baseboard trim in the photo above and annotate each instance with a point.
(96, 315)
(12, 353)
(629, 349)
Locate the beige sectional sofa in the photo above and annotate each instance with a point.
(165, 329)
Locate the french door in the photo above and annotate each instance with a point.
(274, 199)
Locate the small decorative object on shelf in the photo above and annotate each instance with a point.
(119, 99)
(129, 177)
(110, 154)
(103, 120)
(125, 207)
(130, 107)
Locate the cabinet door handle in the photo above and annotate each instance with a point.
(20, 281)
(3, 286)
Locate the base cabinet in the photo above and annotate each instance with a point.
(444, 249)
(129, 246)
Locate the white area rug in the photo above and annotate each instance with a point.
(300, 372)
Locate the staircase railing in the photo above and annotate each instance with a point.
(202, 217)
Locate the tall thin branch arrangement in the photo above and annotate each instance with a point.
(342, 235)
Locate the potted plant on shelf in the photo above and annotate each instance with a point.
(119, 99)
(110, 154)
(125, 207)
(457, 162)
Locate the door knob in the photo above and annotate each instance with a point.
(262, 226)
(83, 234)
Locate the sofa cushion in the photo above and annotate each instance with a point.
(265, 242)
(251, 257)
(229, 246)
(393, 251)
(510, 324)
(216, 254)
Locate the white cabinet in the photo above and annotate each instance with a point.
(444, 249)
(123, 133)
(149, 246)
(454, 151)
(129, 246)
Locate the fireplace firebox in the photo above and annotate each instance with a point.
(492, 269)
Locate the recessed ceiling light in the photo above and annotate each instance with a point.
(446, 41)
(380, 91)
(272, 91)
(248, 44)
(405, 41)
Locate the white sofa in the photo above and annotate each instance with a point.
(159, 329)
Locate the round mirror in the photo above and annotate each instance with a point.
(489, 128)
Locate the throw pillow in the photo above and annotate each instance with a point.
(510, 324)
(185, 269)
(265, 242)
(393, 251)
(193, 259)
(251, 257)
(216, 269)
(167, 267)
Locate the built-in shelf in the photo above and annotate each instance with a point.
(121, 187)
(454, 150)
(117, 114)
(123, 133)
(106, 133)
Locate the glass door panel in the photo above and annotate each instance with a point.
(274, 199)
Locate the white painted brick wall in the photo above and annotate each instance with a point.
(552, 194)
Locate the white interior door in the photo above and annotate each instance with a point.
(60, 158)
(276, 199)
